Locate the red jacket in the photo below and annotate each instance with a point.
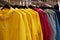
(45, 25)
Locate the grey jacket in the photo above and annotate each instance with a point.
(51, 18)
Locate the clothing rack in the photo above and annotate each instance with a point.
(26, 3)
(37, 3)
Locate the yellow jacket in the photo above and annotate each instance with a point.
(11, 25)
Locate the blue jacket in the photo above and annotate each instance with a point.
(58, 24)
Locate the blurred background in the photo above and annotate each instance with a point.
(51, 2)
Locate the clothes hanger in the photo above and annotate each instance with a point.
(56, 7)
(45, 7)
(31, 6)
(1, 5)
(38, 3)
(20, 6)
(15, 6)
(6, 6)
(23, 5)
(12, 6)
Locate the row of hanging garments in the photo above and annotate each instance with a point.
(30, 23)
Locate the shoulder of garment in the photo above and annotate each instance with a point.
(6, 12)
(26, 11)
(22, 12)
(32, 12)
(50, 11)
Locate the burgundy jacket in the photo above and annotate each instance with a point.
(45, 25)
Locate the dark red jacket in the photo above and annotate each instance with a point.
(45, 25)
